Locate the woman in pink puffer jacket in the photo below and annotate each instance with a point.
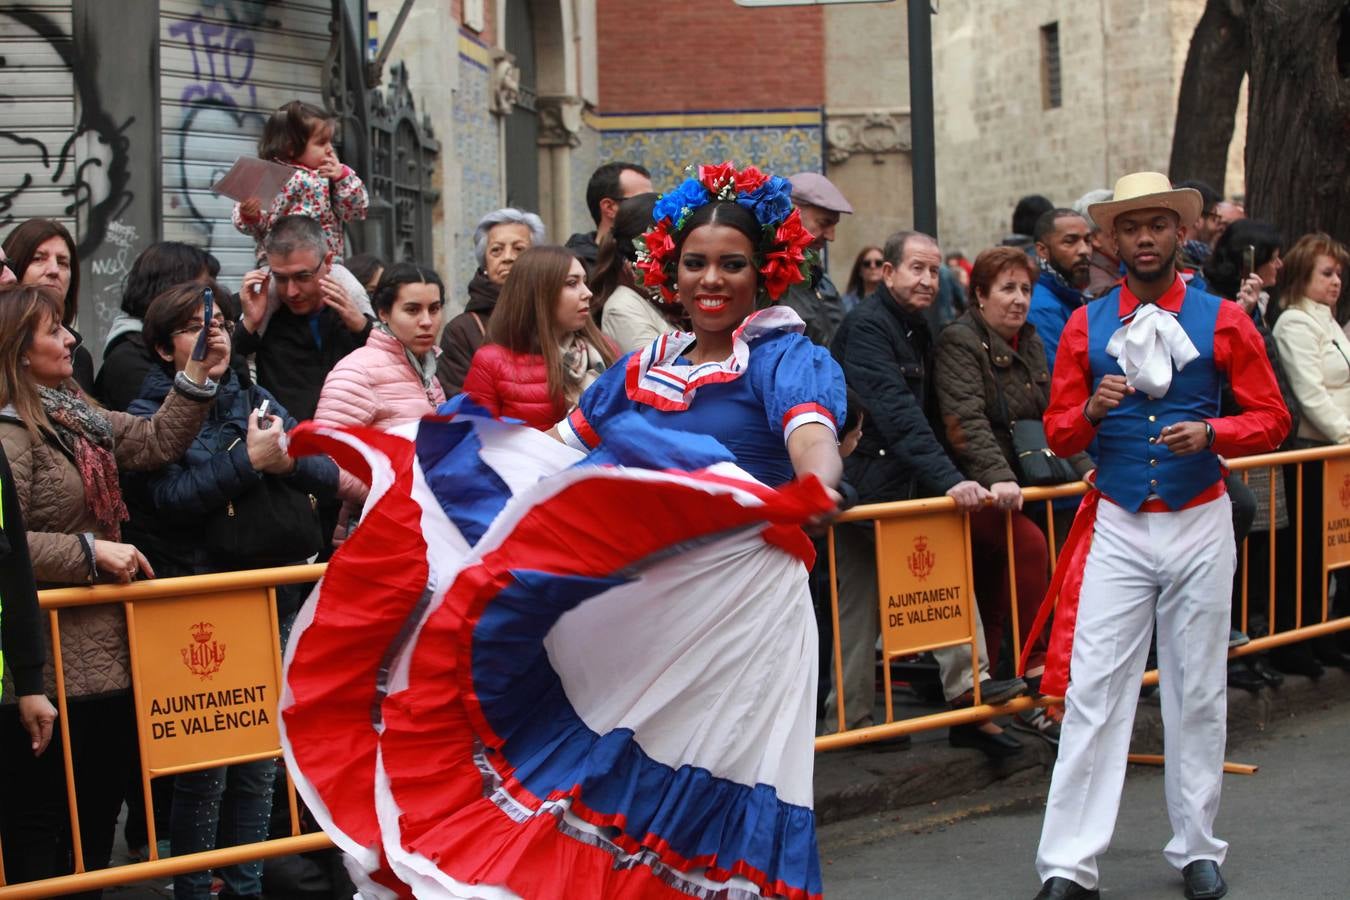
(392, 379)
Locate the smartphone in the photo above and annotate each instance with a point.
(208, 312)
(261, 412)
(1248, 261)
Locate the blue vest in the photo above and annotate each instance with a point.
(1132, 461)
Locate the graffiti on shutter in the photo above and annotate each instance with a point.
(225, 65)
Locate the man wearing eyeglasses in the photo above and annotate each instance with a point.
(314, 320)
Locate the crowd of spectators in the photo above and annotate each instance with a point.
(171, 460)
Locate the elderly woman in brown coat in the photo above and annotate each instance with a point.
(991, 372)
(65, 453)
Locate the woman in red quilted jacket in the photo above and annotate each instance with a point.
(543, 349)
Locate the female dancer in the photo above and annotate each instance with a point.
(603, 717)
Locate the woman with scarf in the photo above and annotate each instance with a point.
(66, 453)
(543, 349)
(392, 379)
(501, 236)
(632, 317)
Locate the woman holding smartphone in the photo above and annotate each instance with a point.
(178, 515)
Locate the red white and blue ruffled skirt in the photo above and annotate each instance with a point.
(534, 674)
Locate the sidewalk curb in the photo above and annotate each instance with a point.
(869, 779)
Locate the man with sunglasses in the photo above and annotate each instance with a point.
(314, 320)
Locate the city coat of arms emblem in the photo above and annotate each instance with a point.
(203, 656)
(922, 559)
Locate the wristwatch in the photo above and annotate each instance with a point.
(1209, 435)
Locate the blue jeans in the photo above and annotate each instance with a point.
(198, 823)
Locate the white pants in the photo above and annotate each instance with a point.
(1178, 567)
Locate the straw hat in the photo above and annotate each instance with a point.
(1147, 190)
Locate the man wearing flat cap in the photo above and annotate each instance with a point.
(1140, 369)
(816, 299)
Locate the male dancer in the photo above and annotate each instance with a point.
(1140, 369)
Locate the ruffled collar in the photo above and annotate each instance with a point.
(656, 377)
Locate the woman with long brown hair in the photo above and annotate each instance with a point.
(543, 349)
(66, 454)
(41, 251)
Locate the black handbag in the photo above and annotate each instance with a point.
(270, 524)
(1037, 465)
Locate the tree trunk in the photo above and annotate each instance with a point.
(1298, 120)
(1208, 101)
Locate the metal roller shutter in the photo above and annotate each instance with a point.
(37, 113)
(224, 67)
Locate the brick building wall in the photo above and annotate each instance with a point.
(707, 81)
(708, 55)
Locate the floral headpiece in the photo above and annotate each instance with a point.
(781, 254)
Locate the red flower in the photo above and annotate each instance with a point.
(659, 242)
(793, 238)
(715, 177)
(748, 179)
(780, 272)
(652, 271)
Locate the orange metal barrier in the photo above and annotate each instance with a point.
(169, 647)
(904, 529)
(205, 658)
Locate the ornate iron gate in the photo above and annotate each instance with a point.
(397, 151)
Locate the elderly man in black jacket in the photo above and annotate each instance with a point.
(886, 351)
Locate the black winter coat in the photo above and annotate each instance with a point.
(20, 619)
(465, 333)
(125, 365)
(165, 505)
(817, 301)
(289, 363)
(887, 358)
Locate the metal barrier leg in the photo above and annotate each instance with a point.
(63, 719)
(838, 643)
(142, 738)
(1012, 586)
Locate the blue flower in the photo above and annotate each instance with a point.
(770, 202)
(689, 195)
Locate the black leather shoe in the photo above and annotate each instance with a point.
(1242, 677)
(1064, 889)
(994, 746)
(992, 693)
(1203, 881)
(1261, 666)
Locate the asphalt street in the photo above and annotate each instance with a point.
(1286, 826)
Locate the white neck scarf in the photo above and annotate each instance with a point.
(1147, 348)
